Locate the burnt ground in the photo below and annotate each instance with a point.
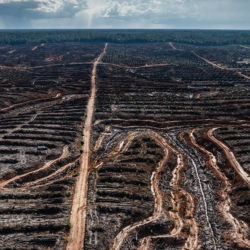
(169, 147)
(44, 93)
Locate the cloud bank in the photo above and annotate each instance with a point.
(174, 14)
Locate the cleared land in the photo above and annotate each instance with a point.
(124, 146)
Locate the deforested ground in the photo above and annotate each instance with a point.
(124, 146)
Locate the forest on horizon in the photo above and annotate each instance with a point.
(198, 37)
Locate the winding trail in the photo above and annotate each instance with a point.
(48, 164)
(192, 241)
(159, 212)
(119, 239)
(37, 183)
(220, 67)
(78, 212)
(230, 156)
(240, 229)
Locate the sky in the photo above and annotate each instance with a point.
(128, 14)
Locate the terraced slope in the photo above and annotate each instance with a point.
(41, 143)
(125, 146)
(183, 102)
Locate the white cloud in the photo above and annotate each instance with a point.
(9, 1)
(127, 13)
(53, 6)
(132, 8)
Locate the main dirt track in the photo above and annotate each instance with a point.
(78, 214)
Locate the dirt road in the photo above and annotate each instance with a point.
(47, 165)
(78, 213)
(159, 211)
(239, 229)
(172, 46)
(158, 206)
(230, 156)
(220, 67)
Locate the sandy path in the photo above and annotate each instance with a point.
(240, 229)
(159, 212)
(35, 184)
(119, 239)
(220, 67)
(172, 45)
(231, 157)
(64, 154)
(207, 61)
(78, 213)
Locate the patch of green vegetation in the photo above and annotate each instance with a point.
(76, 174)
(68, 226)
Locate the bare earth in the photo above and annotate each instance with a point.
(78, 213)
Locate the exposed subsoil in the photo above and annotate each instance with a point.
(126, 146)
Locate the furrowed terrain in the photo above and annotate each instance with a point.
(44, 93)
(124, 146)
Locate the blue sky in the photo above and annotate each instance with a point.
(167, 14)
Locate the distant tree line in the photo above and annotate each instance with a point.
(198, 37)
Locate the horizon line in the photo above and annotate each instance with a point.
(125, 29)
